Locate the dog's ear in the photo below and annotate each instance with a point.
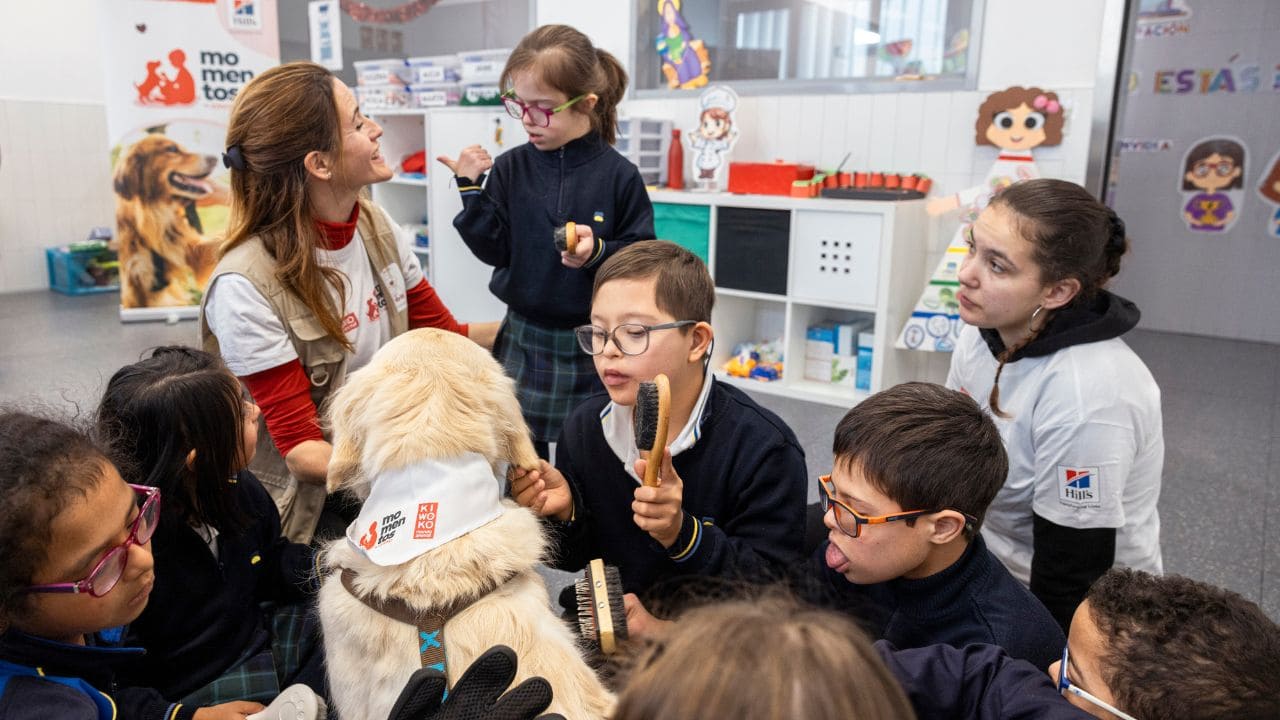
(343, 411)
(128, 178)
(513, 431)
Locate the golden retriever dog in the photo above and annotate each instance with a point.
(432, 396)
(164, 259)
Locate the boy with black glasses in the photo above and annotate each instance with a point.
(731, 501)
(915, 468)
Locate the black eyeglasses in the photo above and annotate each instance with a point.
(630, 338)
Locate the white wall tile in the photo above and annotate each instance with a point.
(883, 131)
(802, 117)
(858, 131)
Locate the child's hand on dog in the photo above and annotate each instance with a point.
(236, 710)
(658, 510)
(583, 250)
(544, 491)
(471, 162)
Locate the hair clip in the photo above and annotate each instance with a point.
(233, 158)
(1044, 102)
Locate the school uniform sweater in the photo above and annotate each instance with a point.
(510, 223)
(42, 679)
(744, 499)
(204, 613)
(975, 600)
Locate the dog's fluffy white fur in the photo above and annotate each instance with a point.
(433, 394)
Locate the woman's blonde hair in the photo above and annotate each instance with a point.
(764, 659)
(278, 118)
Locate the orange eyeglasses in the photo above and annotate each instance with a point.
(850, 521)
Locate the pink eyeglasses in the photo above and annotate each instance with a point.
(110, 568)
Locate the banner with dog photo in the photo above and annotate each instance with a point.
(173, 68)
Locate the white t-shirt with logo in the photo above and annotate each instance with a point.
(1086, 446)
(252, 338)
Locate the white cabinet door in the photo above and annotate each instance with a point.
(835, 258)
(461, 280)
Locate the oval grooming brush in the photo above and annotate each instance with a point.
(567, 237)
(650, 417)
(602, 616)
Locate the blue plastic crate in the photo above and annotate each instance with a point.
(81, 271)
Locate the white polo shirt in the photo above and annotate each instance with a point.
(1085, 442)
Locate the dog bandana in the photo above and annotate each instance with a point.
(414, 509)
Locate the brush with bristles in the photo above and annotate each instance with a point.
(649, 418)
(602, 616)
(567, 237)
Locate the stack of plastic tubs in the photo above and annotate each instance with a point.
(645, 141)
(479, 72)
(382, 84)
(433, 81)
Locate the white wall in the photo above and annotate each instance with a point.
(55, 177)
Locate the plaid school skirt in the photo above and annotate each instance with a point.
(263, 674)
(552, 373)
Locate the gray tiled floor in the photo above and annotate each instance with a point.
(1221, 483)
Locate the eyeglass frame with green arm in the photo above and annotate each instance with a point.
(1066, 686)
(525, 109)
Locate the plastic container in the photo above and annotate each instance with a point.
(766, 178)
(382, 97)
(432, 69)
(381, 72)
(482, 67)
(94, 269)
(481, 95)
(646, 143)
(434, 95)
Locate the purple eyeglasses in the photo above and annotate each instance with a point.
(110, 568)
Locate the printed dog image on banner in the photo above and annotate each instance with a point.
(164, 258)
(437, 568)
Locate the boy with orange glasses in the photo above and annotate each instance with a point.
(915, 468)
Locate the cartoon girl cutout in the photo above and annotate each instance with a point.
(715, 135)
(685, 60)
(1015, 120)
(1212, 167)
(1269, 189)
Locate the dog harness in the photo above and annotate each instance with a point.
(429, 623)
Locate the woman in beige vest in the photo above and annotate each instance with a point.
(312, 278)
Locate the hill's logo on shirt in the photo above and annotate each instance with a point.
(1079, 487)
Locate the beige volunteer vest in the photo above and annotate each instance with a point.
(323, 359)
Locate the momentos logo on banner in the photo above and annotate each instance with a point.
(172, 71)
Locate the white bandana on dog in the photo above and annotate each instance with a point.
(418, 508)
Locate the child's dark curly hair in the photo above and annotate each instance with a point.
(44, 465)
(1181, 648)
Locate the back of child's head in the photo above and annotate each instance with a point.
(765, 659)
(44, 466)
(1175, 647)
(155, 412)
(925, 446)
(683, 289)
(562, 58)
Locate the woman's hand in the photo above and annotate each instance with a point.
(484, 333)
(309, 461)
(473, 161)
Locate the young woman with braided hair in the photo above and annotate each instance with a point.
(1078, 410)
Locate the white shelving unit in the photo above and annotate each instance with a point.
(837, 260)
(461, 280)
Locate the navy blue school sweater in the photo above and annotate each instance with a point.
(744, 500)
(204, 613)
(975, 600)
(510, 223)
(42, 679)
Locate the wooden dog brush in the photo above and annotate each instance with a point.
(602, 617)
(567, 237)
(650, 416)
